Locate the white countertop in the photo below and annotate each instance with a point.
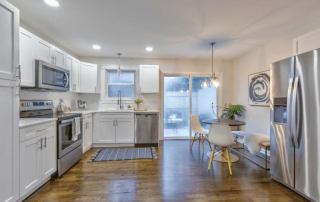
(113, 111)
(25, 122)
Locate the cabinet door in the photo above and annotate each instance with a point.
(106, 131)
(59, 57)
(306, 42)
(125, 131)
(9, 102)
(9, 40)
(30, 165)
(89, 134)
(27, 58)
(84, 136)
(44, 50)
(49, 154)
(88, 77)
(73, 65)
(149, 78)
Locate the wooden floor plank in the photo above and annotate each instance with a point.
(179, 174)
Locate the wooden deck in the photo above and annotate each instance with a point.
(178, 175)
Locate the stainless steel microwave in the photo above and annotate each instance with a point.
(50, 77)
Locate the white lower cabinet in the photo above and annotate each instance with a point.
(87, 132)
(113, 128)
(30, 165)
(124, 130)
(38, 156)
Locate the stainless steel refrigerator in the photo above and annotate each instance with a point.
(295, 123)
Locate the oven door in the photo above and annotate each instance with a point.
(65, 142)
(51, 77)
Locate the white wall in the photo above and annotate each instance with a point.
(152, 101)
(258, 118)
(68, 97)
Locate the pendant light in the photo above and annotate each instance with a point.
(119, 72)
(214, 82)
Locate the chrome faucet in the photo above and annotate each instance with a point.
(119, 100)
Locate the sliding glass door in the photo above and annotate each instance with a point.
(204, 101)
(176, 107)
(184, 96)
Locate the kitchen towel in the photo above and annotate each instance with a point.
(253, 141)
(76, 128)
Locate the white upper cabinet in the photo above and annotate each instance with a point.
(149, 78)
(73, 65)
(27, 58)
(59, 57)
(9, 40)
(9, 102)
(306, 42)
(88, 77)
(44, 51)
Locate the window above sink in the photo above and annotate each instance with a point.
(126, 85)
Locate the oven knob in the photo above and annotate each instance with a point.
(23, 104)
(30, 104)
(47, 103)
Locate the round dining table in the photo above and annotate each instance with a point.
(220, 155)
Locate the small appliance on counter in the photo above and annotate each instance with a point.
(69, 148)
(81, 104)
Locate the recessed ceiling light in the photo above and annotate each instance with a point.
(96, 47)
(53, 3)
(149, 49)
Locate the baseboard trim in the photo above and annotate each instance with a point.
(33, 190)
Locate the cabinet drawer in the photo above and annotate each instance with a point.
(87, 117)
(116, 115)
(37, 130)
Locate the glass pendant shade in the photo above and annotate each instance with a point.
(119, 73)
(204, 83)
(214, 82)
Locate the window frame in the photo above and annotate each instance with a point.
(106, 97)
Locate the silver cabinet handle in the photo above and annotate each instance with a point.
(52, 61)
(113, 123)
(45, 142)
(116, 122)
(55, 60)
(40, 147)
(294, 112)
(75, 86)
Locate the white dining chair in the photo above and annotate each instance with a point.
(201, 132)
(220, 135)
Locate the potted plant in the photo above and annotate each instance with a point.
(138, 102)
(232, 111)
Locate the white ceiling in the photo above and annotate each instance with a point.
(174, 28)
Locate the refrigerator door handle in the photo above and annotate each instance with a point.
(289, 111)
(294, 113)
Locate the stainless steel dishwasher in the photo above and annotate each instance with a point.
(146, 129)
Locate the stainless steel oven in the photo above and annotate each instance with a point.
(65, 142)
(69, 151)
(49, 77)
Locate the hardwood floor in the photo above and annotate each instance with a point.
(178, 175)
